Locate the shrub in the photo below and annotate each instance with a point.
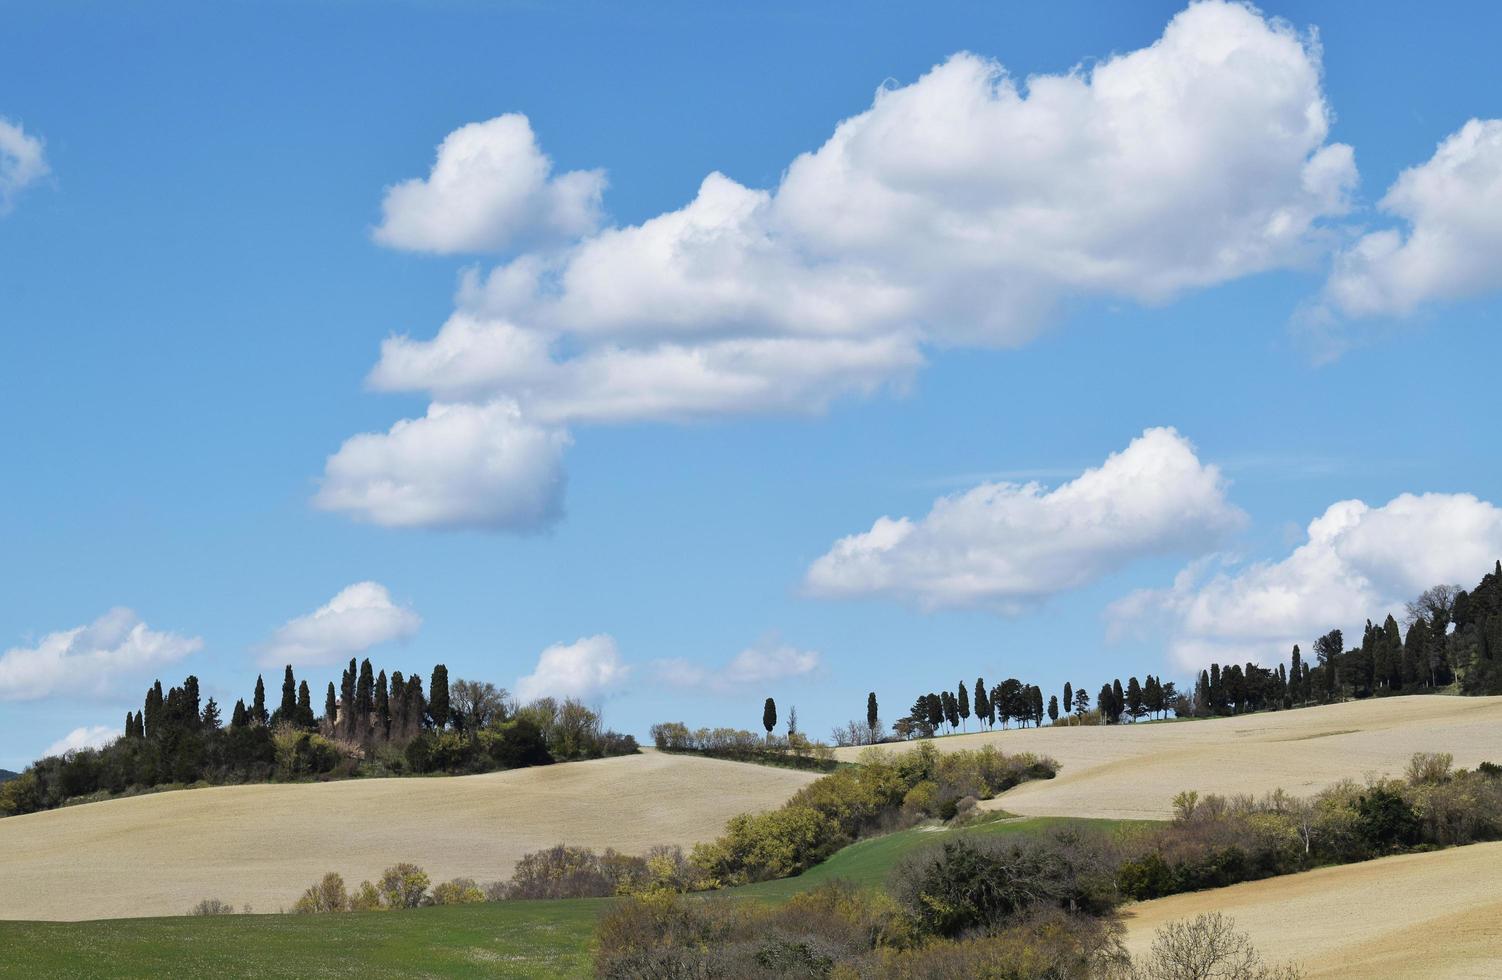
(328, 895)
(366, 899)
(982, 883)
(212, 906)
(1385, 819)
(402, 886)
(1429, 768)
(459, 891)
(1207, 946)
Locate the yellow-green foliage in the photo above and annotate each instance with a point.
(775, 844)
(460, 891)
(883, 791)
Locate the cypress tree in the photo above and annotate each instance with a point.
(982, 703)
(364, 699)
(1103, 704)
(1068, 696)
(382, 707)
(962, 704)
(192, 713)
(438, 697)
(330, 708)
(769, 717)
(1118, 700)
(305, 706)
(398, 704)
(258, 705)
(288, 709)
(951, 709)
(417, 705)
(239, 718)
(1037, 706)
(1053, 709)
(1081, 701)
(347, 698)
(211, 719)
(872, 717)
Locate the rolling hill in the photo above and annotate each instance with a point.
(1432, 915)
(1134, 771)
(262, 845)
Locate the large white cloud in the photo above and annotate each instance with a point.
(490, 186)
(588, 668)
(359, 617)
(1357, 563)
(22, 162)
(1005, 546)
(764, 663)
(1452, 246)
(89, 659)
(90, 737)
(957, 210)
(461, 465)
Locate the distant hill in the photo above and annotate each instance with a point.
(6, 774)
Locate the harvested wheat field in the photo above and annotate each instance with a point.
(1433, 916)
(262, 845)
(1134, 771)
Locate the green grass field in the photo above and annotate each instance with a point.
(500, 939)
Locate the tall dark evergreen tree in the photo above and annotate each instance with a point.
(769, 717)
(1327, 650)
(382, 706)
(258, 704)
(935, 711)
(1053, 709)
(951, 710)
(1081, 701)
(962, 704)
(1118, 700)
(211, 720)
(288, 709)
(438, 696)
(1068, 697)
(331, 708)
(417, 705)
(364, 699)
(305, 706)
(239, 718)
(398, 705)
(983, 713)
(347, 699)
(1296, 672)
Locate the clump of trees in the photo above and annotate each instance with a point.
(794, 750)
(401, 886)
(947, 712)
(371, 723)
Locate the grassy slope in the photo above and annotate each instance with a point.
(508, 939)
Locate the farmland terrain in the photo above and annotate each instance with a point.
(262, 845)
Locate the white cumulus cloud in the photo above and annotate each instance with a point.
(588, 668)
(1358, 562)
(91, 737)
(491, 186)
(461, 465)
(1452, 244)
(957, 210)
(1006, 546)
(22, 162)
(361, 616)
(764, 663)
(89, 659)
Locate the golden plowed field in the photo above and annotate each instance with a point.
(262, 845)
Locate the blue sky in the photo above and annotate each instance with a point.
(195, 287)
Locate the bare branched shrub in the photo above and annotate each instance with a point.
(1207, 947)
(212, 906)
(1429, 768)
(328, 895)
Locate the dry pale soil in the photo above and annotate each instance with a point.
(262, 845)
(1434, 916)
(1134, 771)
